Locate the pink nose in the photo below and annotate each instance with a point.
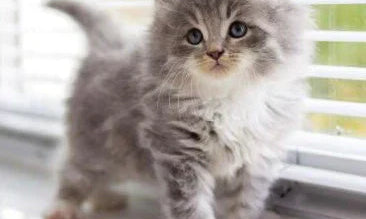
(215, 54)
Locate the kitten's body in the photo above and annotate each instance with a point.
(212, 142)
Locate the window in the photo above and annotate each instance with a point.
(333, 144)
(41, 49)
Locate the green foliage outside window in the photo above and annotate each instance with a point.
(345, 18)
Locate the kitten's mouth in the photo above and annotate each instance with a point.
(217, 67)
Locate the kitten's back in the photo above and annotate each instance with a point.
(106, 90)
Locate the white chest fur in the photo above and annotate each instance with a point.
(250, 126)
(238, 125)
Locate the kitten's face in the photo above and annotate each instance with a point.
(216, 46)
(221, 38)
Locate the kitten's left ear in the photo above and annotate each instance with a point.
(165, 3)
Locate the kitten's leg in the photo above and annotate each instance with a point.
(188, 189)
(106, 199)
(243, 197)
(76, 184)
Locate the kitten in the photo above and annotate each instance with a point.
(200, 107)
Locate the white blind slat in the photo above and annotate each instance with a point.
(331, 2)
(337, 72)
(326, 178)
(337, 36)
(336, 107)
(324, 142)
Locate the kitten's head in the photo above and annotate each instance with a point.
(221, 39)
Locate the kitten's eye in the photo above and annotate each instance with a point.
(238, 29)
(194, 36)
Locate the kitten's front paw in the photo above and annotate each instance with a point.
(64, 211)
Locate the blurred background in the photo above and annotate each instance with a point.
(41, 49)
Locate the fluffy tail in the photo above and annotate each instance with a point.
(102, 34)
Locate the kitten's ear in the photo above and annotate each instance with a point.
(165, 3)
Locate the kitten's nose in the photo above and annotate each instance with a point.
(216, 54)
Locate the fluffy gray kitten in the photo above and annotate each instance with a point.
(200, 107)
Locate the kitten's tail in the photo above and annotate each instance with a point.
(103, 35)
